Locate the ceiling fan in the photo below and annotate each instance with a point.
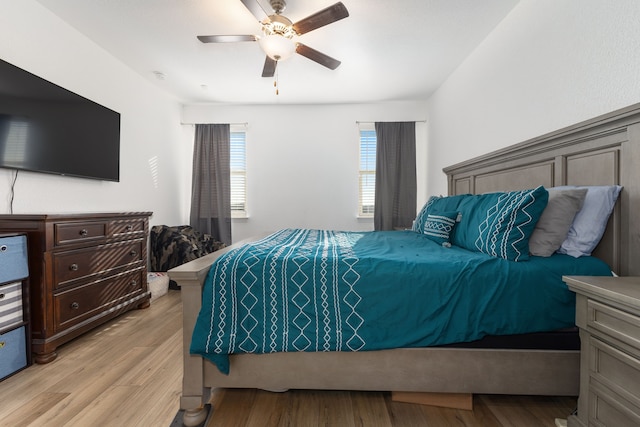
(279, 33)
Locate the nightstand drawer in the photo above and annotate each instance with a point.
(616, 323)
(617, 370)
(13, 258)
(10, 305)
(605, 411)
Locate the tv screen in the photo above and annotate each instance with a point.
(46, 128)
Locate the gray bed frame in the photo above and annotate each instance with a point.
(601, 151)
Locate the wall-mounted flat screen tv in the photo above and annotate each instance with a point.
(46, 128)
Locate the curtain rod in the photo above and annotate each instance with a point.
(231, 124)
(367, 122)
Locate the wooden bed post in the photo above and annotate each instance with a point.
(194, 396)
(190, 277)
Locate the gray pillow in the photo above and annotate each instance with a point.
(554, 223)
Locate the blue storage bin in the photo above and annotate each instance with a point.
(13, 258)
(13, 351)
(11, 311)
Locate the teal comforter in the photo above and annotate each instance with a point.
(319, 290)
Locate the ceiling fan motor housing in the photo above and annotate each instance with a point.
(280, 25)
(278, 6)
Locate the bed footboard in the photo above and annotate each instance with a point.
(190, 277)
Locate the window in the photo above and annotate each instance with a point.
(367, 189)
(238, 172)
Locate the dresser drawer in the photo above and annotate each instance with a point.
(13, 258)
(13, 351)
(81, 303)
(10, 305)
(72, 266)
(67, 233)
(127, 228)
(616, 323)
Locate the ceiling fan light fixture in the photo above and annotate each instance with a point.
(277, 47)
(279, 34)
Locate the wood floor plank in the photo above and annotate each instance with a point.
(155, 407)
(234, 408)
(369, 409)
(451, 417)
(151, 403)
(87, 386)
(481, 416)
(336, 409)
(152, 361)
(528, 411)
(102, 411)
(32, 410)
(443, 400)
(158, 398)
(305, 407)
(269, 409)
(405, 414)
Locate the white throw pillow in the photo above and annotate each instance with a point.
(591, 221)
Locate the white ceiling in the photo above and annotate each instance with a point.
(391, 50)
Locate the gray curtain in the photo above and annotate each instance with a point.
(211, 181)
(395, 199)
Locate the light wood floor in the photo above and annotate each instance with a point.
(129, 373)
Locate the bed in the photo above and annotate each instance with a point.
(604, 151)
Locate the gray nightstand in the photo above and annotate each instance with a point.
(608, 315)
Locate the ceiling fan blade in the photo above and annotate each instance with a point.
(255, 9)
(317, 56)
(227, 39)
(269, 68)
(320, 19)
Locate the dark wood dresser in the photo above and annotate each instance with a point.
(84, 269)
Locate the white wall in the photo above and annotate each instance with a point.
(36, 40)
(302, 161)
(549, 64)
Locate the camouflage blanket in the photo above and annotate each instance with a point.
(173, 246)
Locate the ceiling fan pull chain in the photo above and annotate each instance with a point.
(275, 83)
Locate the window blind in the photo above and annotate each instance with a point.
(367, 171)
(238, 173)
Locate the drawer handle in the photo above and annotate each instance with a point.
(2, 344)
(3, 248)
(75, 306)
(133, 253)
(1, 296)
(133, 283)
(129, 227)
(84, 232)
(73, 267)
